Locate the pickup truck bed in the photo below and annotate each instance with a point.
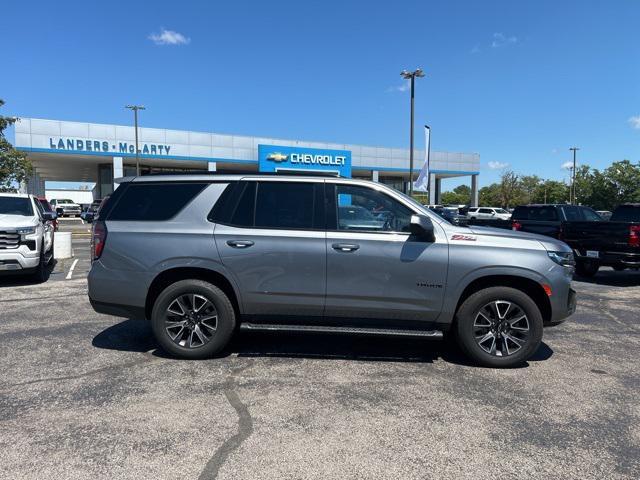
(615, 243)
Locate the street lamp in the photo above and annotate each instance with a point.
(411, 76)
(573, 178)
(135, 109)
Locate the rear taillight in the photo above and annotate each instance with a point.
(634, 236)
(98, 238)
(515, 225)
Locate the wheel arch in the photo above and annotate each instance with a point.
(172, 275)
(526, 285)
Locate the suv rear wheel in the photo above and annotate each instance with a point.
(499, 327)
(193, 319)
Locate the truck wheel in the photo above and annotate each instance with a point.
(40, 273)
(193, 319)
(499, 327)
(587, 268)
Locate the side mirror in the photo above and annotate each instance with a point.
(422, 228)
(49, 216)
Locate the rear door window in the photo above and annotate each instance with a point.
(288, 205)
(153, 201)
(537, 213)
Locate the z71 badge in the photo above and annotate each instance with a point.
(466, 238)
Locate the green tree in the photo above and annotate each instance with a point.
(461, 195)
(15, 167)
(510, 189)
(624, 181)
(490, 195)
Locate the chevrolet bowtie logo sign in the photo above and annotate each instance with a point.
(277, 157)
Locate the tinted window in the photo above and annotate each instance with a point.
(590, 215)
(16, 206)
(153, 201)
(366, 209)
(242, 214)
(626, 213)
(542, 213)
(284, 205)
(45, 205)
(572, 214)
(485, 210)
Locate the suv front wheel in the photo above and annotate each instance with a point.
(193, 319)
(499, 327)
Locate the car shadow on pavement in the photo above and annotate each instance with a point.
(136, 336)
(20, 279)
(611, 278)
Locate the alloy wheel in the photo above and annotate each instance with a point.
(191, 320)
(501, 328)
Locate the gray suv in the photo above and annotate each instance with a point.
(203, 255)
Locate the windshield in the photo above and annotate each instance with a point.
(501, 210)
(64, 200)
(16, 206)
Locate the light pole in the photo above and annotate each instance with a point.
(573, 178)
(135, 109)
(411, 76)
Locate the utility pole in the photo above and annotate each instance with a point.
(411, 76)
(572, 195)
(135, 109)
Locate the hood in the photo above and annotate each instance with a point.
(9, 222)
(551, 244)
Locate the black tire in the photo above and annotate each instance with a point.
(619, 268)
(39, 275)
(224, 325)
(466, 327)
(587, 268)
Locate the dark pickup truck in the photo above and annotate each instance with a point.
(614, 243)
(551, 220)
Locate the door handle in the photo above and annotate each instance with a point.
(345, 247)
(239, 243)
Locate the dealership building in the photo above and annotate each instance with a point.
(92, 152)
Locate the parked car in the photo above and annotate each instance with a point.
(65, 207)
(605, 214)
(487, 213)
(26, 236)
(614, 243)
(46, 206)
(451, 215)
(275, 253)
(551, 219)
(90, 212)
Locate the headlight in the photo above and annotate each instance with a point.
(26, 230)
(562, 258)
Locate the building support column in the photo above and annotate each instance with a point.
(118, 171)
(438, 191)
(375, 176)
(432, 189)
(474, 190)
(212, 166)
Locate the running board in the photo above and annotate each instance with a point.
(265, 327)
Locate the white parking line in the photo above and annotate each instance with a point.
(73, 265)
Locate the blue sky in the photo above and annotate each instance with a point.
(517, 81)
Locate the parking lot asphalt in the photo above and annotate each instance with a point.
(84, 395)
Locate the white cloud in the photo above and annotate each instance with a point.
(169, 37)
(635, 122)
(500, 39)
(567, 165)
(497, 165)
(475, 49)
(404, 87)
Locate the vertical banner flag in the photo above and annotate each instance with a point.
(422, 182)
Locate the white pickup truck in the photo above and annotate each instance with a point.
(26, 236)
(65, 207)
